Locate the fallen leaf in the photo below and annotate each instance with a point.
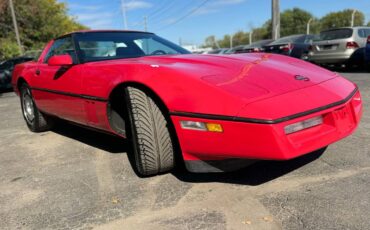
(268, 219)
(247, 222)
(115, 200)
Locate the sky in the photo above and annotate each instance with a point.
(191, 21)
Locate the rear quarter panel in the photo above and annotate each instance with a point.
(23, 71)
(26, 70)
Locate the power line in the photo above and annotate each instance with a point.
(176, 11)
(157, 11)
(185, 16)
(162, 9)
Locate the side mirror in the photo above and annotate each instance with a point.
(368, 40)
(60, 60)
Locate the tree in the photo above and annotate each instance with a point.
(341, 19)
(210, 42)
(294, 21)
(38, 21)
(225, 42)
(8, 48)
(261, 33)
(240, 38)
(368, 23)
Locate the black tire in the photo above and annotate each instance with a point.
(150, 135)
(40, 122)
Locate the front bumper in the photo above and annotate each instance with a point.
(249, 140)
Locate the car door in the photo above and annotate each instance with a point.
(57, 89)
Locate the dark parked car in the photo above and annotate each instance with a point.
(367, 53)
(254, 47)
(6, 69)
(295, 46)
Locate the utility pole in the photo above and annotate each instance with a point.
(15, 26)
(308, 25)
(231, 40)
(124, 13)
(353, 18)
(217, 45)
(250, 37)
(145, 23)
(275, 11)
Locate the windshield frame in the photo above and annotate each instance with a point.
(77, 37)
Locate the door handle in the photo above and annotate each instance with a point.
(37, 72)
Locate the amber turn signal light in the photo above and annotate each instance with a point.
(201, 126)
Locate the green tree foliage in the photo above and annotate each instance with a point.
(239, 38)
(225, 41)
(341, 19)
(38, 21)
(368, 23)
(261, 33)
(210, 42)
(295, 22)
(8, 48)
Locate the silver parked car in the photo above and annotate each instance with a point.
(340, 46)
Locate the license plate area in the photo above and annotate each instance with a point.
(328, 47)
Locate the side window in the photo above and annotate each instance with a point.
(361, 33)
(61, 46)
(364, 33)
(367, 32)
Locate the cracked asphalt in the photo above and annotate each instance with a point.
(72, 178)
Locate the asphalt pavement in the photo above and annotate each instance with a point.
(72, 178)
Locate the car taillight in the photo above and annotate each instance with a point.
(368, 40)
(287, 48)
(352, 45)
(256, 49)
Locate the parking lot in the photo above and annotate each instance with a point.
(75, 178)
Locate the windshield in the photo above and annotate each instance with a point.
(95, 46)
(335, 34)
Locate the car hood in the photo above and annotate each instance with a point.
(247, 76)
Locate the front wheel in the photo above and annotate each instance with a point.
(36, 121)
(150, 134)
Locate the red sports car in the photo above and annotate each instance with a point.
(211, 111)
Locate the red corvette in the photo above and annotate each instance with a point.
(213, 111)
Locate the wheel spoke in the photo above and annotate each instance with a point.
(28, 107)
